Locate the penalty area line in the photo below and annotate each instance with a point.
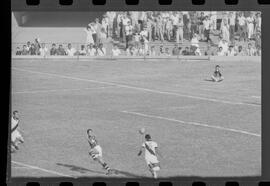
(193, 123)
(139, 88)
(58, 90)
(42, 169)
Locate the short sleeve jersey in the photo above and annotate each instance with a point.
(151, 145)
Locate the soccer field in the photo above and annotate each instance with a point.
(202, 128)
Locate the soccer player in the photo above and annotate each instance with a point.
(96, 151)
(16, 136)
(217, 77)
(151, 153)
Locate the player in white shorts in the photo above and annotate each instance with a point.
(16, 136)
(96, 151)
(151, 153)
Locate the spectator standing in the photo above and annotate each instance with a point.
(111, 26)
(70, 50)
(125, 23)
(242, 27)
(258, 22)
(160, 29)
(213, 19)
(103, 36)
(201, 26)
(97, 28)
(225, 30)
(232, 18)
(149, 26)
(168, 28)
(128, 33)
(53, 50)
(175, 19)
(250, 26)
(89, 34)
(105, 24)
(206, 25)
(180, 30)
(43, 51)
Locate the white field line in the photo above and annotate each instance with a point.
(139, 88)
(44, 170)
(192, 123)
(55, 90)
(259, 97)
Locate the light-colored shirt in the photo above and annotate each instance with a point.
(116, 52)
(43, 51)
(152, 145)
(71, 52)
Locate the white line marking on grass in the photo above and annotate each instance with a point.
(44, 170)
(141, 89)
(259, 97)
(192, 123)
(55, 90)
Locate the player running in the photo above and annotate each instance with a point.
(217, 77)
(96, 151)
(16, 137)
(151, 153)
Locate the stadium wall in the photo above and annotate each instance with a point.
(51, 27)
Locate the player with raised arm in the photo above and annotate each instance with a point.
(96, 151)
(151, 152)
(16, 136)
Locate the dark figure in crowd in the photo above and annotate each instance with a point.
(37, 46)
(24, 50)
(18, 51)
(186, 52)
(53, 51)
(61, 51)
(32, 50)
(176, 50)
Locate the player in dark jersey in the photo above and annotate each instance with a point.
(96, 151)
(217, 76)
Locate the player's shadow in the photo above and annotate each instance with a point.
(83, 170)
(208, 80)
(79, 169)
(128, 174)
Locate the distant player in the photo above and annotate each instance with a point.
(96, 151)
(151, 152)
(16, 136)
(217, 77)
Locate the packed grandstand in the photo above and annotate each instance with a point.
(155, 33)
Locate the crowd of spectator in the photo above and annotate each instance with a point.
(154, 32)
